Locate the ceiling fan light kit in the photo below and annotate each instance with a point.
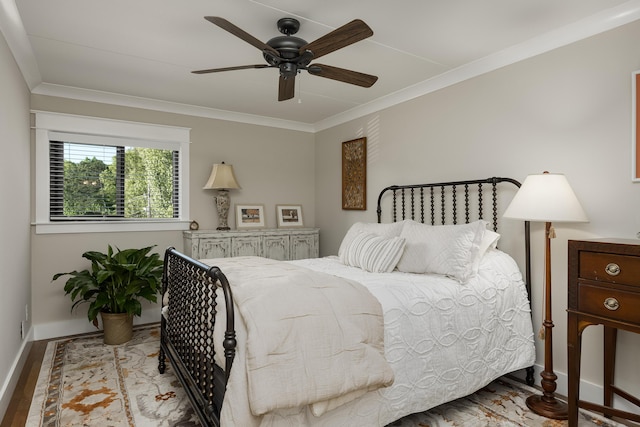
(292, 54)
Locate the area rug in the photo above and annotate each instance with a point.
(83, 382)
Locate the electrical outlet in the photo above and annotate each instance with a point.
(26, 312)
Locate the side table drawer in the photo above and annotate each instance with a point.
(609, 302)
(612, 268)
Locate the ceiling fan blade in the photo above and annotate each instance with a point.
(286, 89)
(342, 75)
(350, 33)
(240, 67)
(242, 34)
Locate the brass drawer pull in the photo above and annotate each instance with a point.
(612, 269)
(611, 304)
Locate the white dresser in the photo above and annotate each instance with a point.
(282, 243)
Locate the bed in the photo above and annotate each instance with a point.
(413, 312)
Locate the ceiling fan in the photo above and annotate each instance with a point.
(292, 54)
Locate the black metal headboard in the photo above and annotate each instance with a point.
(452, 203)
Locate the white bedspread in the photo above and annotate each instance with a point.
(300, 351)
(443, 341)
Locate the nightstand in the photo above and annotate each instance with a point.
(604, 289)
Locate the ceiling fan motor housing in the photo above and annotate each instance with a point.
(288, 46)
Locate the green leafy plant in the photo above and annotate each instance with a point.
(116, 282)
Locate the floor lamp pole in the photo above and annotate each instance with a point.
(547, 405)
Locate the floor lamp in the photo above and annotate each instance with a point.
(547, 198)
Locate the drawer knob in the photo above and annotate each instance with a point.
(611, 304)
(612, 269)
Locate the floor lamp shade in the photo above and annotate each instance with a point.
(222, 179)
(547, 198)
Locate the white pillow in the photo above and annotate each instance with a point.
(489, 241)
(391, 229)
(376, 254)
(442, 249)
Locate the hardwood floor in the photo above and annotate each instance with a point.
(18, 408)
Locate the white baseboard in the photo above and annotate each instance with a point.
(589, 391)
(82, 326)
(12, 378)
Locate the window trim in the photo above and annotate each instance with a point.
(48, 125)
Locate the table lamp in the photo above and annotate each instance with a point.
(547, 198)
(222, 179)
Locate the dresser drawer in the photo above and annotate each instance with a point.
(609, 302)
(611, 268)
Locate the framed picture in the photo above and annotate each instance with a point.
(289, 216)
(250, 216)
(635, 132)
(354, 174)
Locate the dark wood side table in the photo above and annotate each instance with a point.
(604, 289)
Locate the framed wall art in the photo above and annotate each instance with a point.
(635, 132)
(250, 216)
(289, 216)
(354, 174)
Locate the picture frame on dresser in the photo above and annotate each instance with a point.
(289, 216)
(250, 216)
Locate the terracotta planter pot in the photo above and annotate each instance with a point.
(118, 327)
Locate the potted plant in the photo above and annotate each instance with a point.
(114, 286)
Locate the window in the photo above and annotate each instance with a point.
(106, 175)
(90, 181)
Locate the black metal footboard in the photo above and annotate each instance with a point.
(187, 331)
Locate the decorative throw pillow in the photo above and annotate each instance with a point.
(391, 229)
(442, 249)
(376, 254)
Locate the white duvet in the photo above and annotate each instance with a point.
(443, 340)
(312, 338)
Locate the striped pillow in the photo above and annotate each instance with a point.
(373, 253)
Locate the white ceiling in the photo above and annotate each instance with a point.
(142, 52)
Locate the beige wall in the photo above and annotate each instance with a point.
(566, 111)
(273, 166)
(15, 277)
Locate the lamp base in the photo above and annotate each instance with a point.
(549, 407)
(223, 203)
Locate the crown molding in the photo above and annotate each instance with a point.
(165, 106)
(598, 23)
(15, 34)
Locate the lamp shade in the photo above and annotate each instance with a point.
(546, 197)
(221, 178)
